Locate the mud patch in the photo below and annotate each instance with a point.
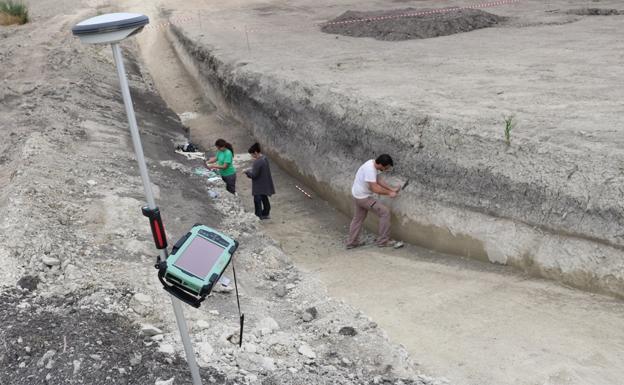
(410, 23)
(595, 12)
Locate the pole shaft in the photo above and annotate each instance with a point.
(149, 195)
(134, 130)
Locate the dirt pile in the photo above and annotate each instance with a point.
(595, 12)
(52, 340)
(410, 23)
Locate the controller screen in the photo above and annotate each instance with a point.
(199, 257)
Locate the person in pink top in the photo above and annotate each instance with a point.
(365, 184)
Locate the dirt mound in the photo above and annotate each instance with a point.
(595, 12)
(410, 23)
(53, 341)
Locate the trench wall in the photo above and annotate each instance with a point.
(468, 195)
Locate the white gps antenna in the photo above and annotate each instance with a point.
(110, 29)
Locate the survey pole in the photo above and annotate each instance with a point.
(111, 29)
(149, 195)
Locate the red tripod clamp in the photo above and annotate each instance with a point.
(158, 229)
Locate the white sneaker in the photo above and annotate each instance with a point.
(393, 244)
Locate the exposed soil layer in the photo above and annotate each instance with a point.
(410, 23)
(595, 12)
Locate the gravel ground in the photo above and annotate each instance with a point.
(67, 340)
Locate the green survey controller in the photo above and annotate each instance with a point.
(196, 263)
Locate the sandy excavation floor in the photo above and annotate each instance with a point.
(470, 322)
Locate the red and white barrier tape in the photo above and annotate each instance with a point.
(305, 193)
(423, 13)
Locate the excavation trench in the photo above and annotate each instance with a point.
(319, 137)
(253, 121)
(461, 318)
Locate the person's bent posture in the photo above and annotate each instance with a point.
(367, 182)
(224, 164)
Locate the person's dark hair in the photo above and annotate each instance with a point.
(384, 160)
(223, 143)
(254, 148)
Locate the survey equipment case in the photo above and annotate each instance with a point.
(196, 264)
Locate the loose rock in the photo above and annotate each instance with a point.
(307, 351)
(347, 331)
(309, 314)
(29, 282)
(166, 349)
(150, 330)
(267, 326)
(202, 325)
(50, 261)
(47, 356)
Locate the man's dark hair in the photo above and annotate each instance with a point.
(254, 148)
(384, 160)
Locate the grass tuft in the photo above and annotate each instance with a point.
(13, 12)
(510, 123)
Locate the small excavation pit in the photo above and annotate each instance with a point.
(410, 23)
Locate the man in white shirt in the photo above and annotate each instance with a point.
(367, 183)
